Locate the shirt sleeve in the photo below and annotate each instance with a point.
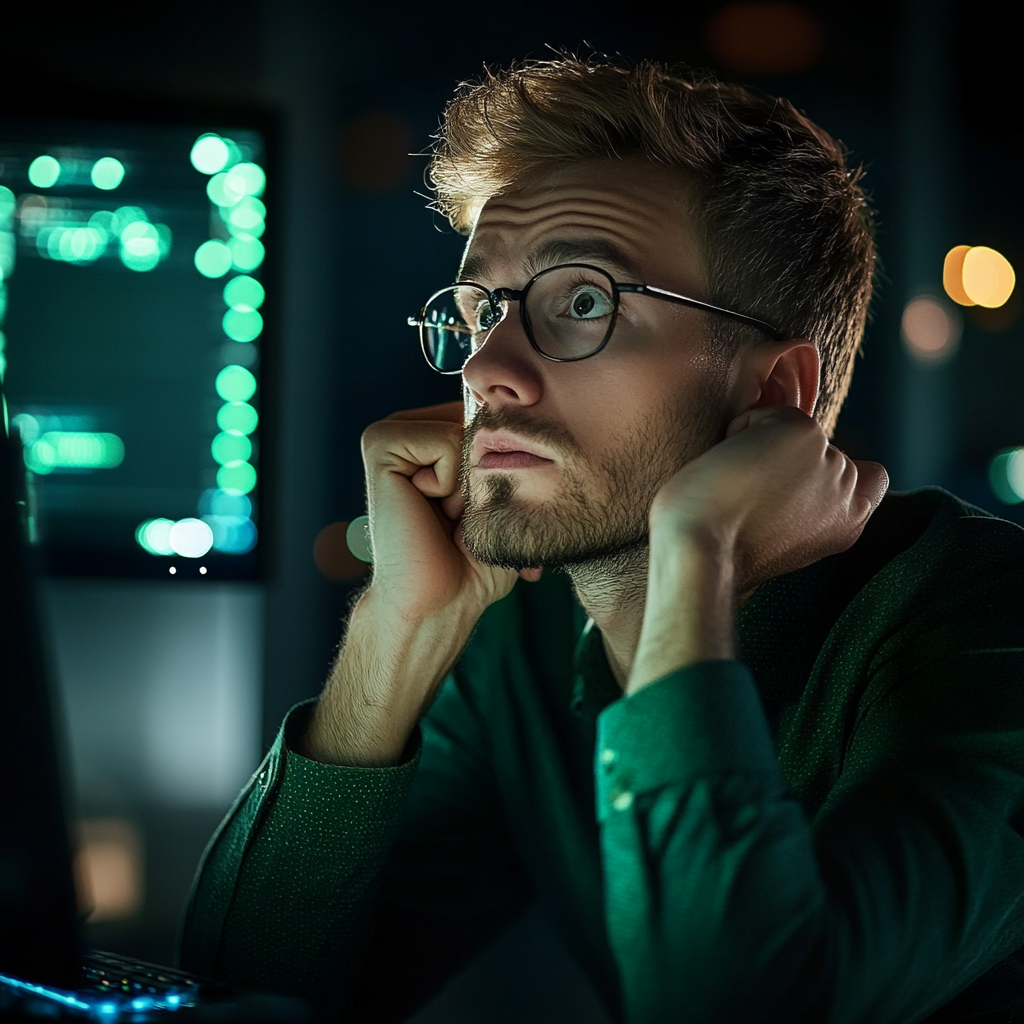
(299, 832)
(724, 901)
(361, 888)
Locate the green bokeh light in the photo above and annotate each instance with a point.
(242, 325)
(72, 245)
(1006, 476)
(66, 449)
(247, 179)
(244, 293)
(103, 221)
(140, 245)
(44, 171)
(210, 153)
(246, 252)
(227, 448)
(221, 190)
(256, 231)
(27, 427)
(213, 258)
(107, 173)
(154, 536)
(236, 478)
(237, 418)
(235, 384)
(247, 216)
(7, 203)
(125, 215)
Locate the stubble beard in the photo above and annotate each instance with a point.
(596, 523)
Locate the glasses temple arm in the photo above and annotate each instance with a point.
(660, 293)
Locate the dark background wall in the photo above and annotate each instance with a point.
(926, 94)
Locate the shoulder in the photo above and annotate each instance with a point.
(930, 538)
(931, 577)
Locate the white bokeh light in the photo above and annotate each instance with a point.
(190, 538)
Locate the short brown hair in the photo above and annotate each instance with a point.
(785, 230)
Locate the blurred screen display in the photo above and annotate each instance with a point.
(132, 306)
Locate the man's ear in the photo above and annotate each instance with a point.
(782, 373)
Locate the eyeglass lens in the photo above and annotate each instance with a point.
(568, 314)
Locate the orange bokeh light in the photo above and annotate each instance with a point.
(953, 275)
(976, 275)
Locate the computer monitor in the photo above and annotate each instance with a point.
(136, 319)
(37, 896)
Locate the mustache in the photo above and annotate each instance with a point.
(552, 434)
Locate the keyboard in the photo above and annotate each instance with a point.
(115, 988)
(122, 990)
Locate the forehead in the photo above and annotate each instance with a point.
(630, 214)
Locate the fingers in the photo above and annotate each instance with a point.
(426, 451)
(765, 415)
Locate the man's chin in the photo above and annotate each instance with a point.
(507, 531)
(504, 549)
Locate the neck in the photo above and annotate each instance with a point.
(613, 591)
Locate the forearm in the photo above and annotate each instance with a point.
(688, 617)
(381, 685)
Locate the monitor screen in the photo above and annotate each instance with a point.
(133, 306)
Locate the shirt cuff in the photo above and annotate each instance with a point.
(701, 720)
(296, 722)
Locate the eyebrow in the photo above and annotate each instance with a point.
(557, 251)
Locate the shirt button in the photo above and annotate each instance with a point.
(608, 757)
(621, 799)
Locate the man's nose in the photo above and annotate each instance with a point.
(504, 370)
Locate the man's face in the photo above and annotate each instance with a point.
(561, 461)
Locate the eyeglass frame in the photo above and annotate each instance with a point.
(498, 296)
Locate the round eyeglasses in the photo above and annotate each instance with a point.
(568, 312)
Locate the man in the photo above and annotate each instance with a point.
(768, 763)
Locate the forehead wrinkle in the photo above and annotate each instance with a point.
(614, 243)
(598, 211)
(619, 219)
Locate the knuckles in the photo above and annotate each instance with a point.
(387, 434)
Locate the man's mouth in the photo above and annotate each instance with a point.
(504, 450)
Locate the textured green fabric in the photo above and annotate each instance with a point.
(827, 829)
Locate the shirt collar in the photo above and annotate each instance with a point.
(776, 637)
(594, 685)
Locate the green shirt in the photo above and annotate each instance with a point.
(828, 828)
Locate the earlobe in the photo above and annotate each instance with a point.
(788, 372)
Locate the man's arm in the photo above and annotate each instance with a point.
(286, 888)
(362, 888)
(721, 899)
(426, 595)
(724, 901)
